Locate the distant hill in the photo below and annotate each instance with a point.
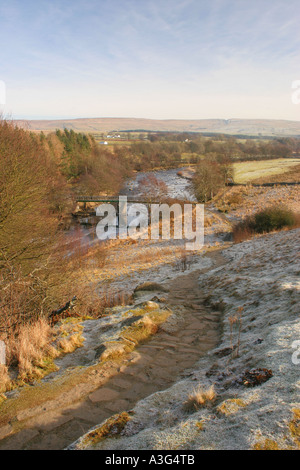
(264, 127)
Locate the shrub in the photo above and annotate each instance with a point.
(273, 218)
(269, 219)
(32, 349)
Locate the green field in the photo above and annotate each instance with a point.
(245, 172)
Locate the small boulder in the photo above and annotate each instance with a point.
(130, 321)
(99, 351)
(151, 305)
(112, 351)
(158, 299)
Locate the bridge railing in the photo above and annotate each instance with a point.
(132, 199)
(105, 198)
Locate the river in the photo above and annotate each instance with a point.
(178, 187)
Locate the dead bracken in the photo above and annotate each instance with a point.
(254, 377)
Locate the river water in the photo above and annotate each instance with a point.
(178, 187)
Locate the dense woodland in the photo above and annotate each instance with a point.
(169, 149)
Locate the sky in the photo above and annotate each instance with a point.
(159, 59)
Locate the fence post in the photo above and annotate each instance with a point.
(2, 353)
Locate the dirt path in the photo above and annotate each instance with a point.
(154, 366)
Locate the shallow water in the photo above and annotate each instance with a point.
(178, 187)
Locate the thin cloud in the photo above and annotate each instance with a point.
(167, 49)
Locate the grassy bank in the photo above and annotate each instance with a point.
(245, 172)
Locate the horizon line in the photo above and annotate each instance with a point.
(149, 119)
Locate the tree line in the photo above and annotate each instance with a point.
(167, 150)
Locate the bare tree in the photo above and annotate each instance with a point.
(207, 181)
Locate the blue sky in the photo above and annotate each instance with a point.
(164, 59)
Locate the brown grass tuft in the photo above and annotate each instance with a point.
(200, 398)
(5, 381)
(31, 346)
(31, 350)
(70, 344)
